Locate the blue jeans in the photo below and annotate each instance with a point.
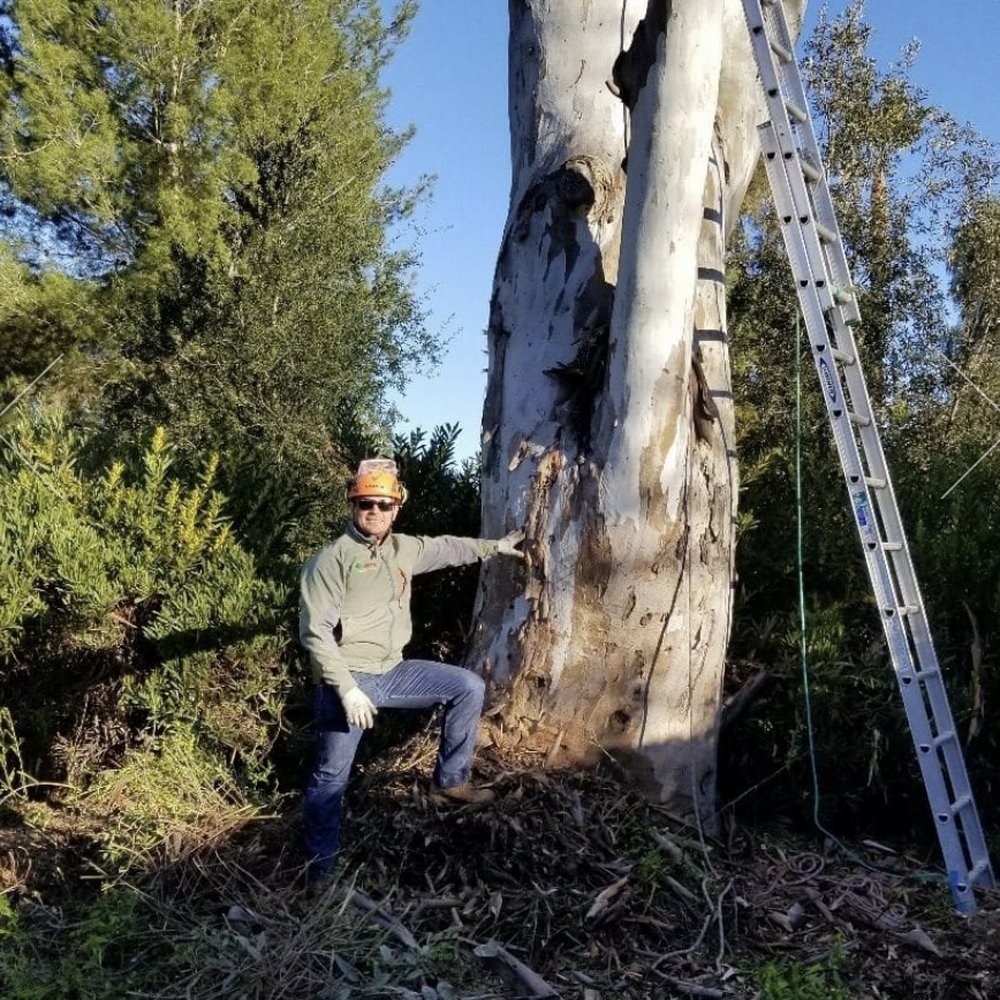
(410, 684)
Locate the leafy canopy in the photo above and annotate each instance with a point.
(195, 210)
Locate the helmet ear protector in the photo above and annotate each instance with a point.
(377, 477)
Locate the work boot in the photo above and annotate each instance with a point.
(462, 795)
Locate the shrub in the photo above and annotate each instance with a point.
(128, 607)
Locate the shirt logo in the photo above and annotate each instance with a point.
(363, 567)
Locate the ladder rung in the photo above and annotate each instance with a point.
(844, 357)
(780, 51)
(875, 483)
(908, 678)
(959, 804)
(809, 170)
(825, 234)
(794, 111)
(979, 869)
(938, 741)
(860, 419)
(902, 610)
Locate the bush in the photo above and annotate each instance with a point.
(128, 608)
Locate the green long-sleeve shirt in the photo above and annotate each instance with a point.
(354, 612)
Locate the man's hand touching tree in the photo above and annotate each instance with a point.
(507, 546)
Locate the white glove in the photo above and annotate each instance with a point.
(359, 709)
(507, 546)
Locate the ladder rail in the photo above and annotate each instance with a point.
(817, 200)
(962, 848)
(782, 122)
(794, 165)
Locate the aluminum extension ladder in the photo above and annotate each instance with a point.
(816, 254)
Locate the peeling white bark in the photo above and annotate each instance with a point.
(608, 424)
(651, 327)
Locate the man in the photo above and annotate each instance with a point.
(354, 621)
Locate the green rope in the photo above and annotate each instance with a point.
(803, 653)
(857, 859)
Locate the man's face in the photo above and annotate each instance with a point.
(374, 516)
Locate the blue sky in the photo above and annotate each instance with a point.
(449, 79)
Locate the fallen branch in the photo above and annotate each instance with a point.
(682, 890)
(692, 989)
(737, 705)
(512, 970)
(377, 915)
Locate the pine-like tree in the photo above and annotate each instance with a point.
(195, 209)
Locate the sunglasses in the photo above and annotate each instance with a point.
(382, 505)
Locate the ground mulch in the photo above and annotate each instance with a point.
(600, 893)
(569, 885)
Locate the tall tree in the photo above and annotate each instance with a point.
(608, 423)
(975, 270)
(196, 187)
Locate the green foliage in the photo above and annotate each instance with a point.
(788, 980)
(11, 761)
(975, 281)
(196, 198)
(901, 172)
(92, 960)
(125, 586)
(168, 799)
(953, 488)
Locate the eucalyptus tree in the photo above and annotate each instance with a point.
(975, 273)
(608, 423)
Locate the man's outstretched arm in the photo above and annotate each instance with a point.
(451, 550)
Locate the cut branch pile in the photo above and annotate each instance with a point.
(569, 885)
(591, 887)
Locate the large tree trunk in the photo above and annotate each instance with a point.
(608, 423)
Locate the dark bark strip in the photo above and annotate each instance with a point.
(711, 336)
(566, 187)
(493, 404)
(633, 65)
(582, 378)
(705, 410)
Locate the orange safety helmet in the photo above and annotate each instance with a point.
(377, 477)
